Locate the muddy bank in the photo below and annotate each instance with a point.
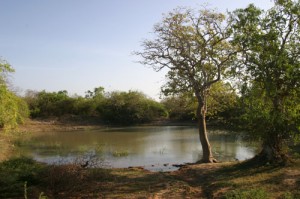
(70, 124)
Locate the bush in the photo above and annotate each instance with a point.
(130, 108)
(116, 107)
(14, 173)
(181, 107)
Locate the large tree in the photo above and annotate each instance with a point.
(270, 65)
(194, 47)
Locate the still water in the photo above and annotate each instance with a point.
(154, 148)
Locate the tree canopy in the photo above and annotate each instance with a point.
(13, 110)
(194, 46)
(269, 61)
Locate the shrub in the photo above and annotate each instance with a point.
(14, 173)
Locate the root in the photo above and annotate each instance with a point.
(211, 160)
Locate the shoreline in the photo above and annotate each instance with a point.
(190, 180)
(46, 125)
(210, 180)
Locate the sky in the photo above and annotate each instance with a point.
(77, 45)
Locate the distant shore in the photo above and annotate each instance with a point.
(55, 124)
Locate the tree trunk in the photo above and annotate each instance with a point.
(206, 148)
(272, 151)
(273, 143)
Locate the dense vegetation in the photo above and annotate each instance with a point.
(115, 107)
(269, 63)
(222, 100)
(13, 110)
(130, 107)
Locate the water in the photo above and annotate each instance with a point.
(154, 148)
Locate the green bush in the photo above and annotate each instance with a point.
(181, 107)
(130, 108)
(14, 173)
(116, 107)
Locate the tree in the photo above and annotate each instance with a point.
(5, 68)
(222, 100)
(47, 104)
(181, 107)
(194, 46)
(97, 93)
(13, 110)
(269, 61)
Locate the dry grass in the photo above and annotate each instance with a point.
(192, 181)
(6, 145)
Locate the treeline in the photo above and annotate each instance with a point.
(130, 107)
(115, 107)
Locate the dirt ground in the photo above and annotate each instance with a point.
(218, 180)
(55, 125)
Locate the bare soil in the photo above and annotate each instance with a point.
(192, 181)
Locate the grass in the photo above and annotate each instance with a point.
(222, 180)
(15, 173)
(247, 194)
(123, 153)
(5, 145)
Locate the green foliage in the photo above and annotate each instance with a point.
(5, 68)
(130, 108)
(181, 107)
(14, 173)
(115, 107)
(13, 110)
(260, 119)
(85, 106)
(120, 153)
(97, 93)
(222, 100)
(193, 46)
(49, 104)
(247, 194)
(269, 65)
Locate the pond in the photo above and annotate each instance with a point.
(156, 148)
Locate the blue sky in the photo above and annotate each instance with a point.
(77, 45)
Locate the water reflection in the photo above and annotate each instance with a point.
(155, 148)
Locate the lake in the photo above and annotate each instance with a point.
(156, 148)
